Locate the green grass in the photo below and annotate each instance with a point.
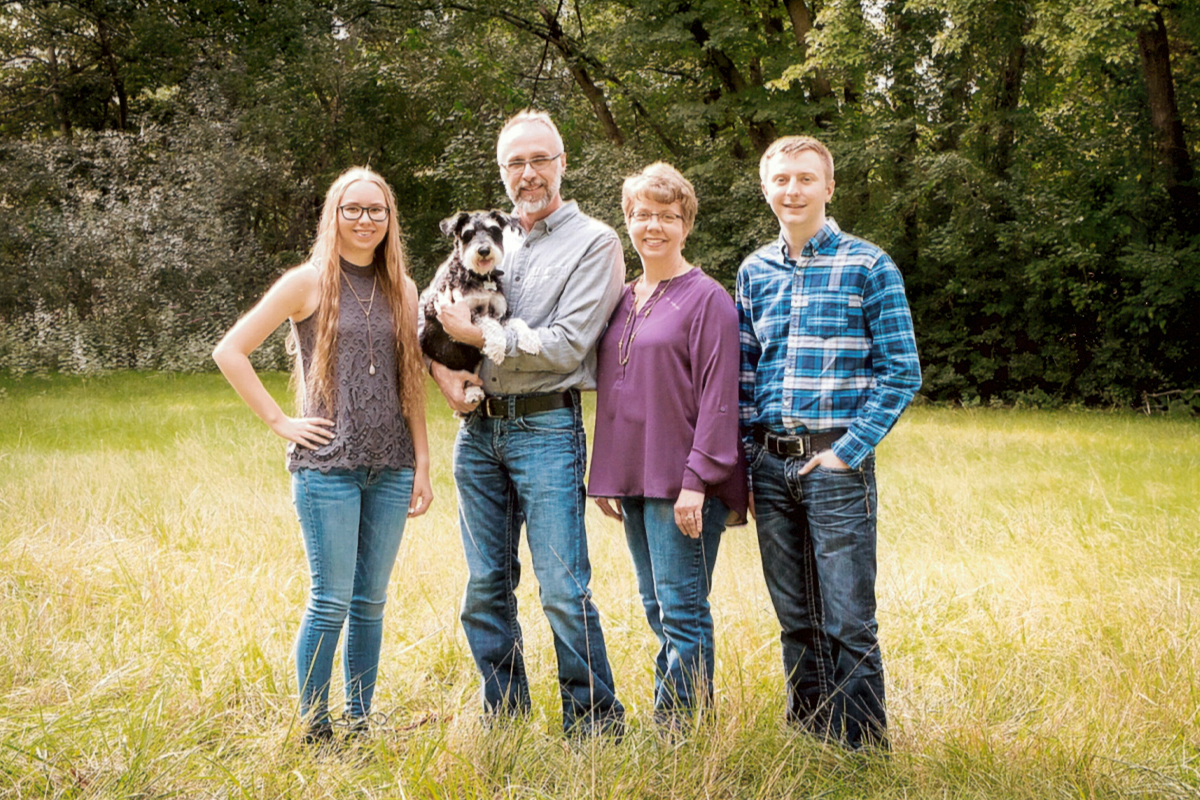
(1039, 611)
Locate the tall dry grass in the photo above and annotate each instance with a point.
(1039, 605)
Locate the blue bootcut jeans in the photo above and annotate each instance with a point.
(352, 521)
(530, 470)
(817, 537)
(674, 574)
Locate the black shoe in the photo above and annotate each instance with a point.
(357, 729)
(611, 727)
(318, 735)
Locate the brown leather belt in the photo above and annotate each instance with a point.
(513, 406)
(798, 446)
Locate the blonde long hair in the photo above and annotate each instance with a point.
(391, 268)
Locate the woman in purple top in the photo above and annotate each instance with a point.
(667, 458)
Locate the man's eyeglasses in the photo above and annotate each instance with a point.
(665, 217)
(353, 212)
(540, 163)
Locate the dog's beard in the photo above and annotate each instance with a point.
(471, 259)
(552, 188)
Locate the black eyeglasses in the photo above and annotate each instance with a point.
(540, 163)
(353, 212)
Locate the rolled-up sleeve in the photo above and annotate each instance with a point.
(714, 355)
(587, 300)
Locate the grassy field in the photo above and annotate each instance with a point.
(1039, 609)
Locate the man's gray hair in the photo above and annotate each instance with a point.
(529, 115)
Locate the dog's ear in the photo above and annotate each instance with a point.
(452, 225)
(506, 220)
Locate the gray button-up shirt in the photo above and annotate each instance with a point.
(563, 279)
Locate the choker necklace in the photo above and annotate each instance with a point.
(366, 309)
(625, 348)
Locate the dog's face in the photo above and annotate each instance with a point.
(479, 238)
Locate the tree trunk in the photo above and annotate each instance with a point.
(802, 17)
(1164, 117)
(61, 114)
(906, 251)
(114, 73)
(591, 91)
(1007, 99)
(762, 132)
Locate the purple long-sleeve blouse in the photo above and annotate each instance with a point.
(667, 419)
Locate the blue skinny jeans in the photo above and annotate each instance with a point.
(352, 521)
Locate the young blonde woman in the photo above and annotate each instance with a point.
(358, 455)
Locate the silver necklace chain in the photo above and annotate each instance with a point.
(367, 308)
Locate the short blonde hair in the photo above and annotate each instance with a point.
(792, 145)
(529, 115)
(664, 184)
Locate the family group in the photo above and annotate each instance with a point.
(708, 409)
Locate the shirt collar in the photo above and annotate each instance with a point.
(824, 243)
(558, 217)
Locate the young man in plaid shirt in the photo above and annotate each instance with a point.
(828, 363)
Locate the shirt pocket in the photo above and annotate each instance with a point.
(828, 314)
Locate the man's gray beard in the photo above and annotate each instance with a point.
(534, 206)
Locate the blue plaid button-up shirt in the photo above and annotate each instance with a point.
(827, 341)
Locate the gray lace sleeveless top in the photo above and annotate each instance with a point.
(369, 429)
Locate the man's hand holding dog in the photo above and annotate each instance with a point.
(456, 319)
(453, 384)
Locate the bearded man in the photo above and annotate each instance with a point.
(520, 454)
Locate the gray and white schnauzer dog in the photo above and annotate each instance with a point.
(470, 273)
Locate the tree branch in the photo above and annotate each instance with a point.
(762, 132)
(802, 23)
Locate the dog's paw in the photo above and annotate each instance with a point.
(527, 340)
(440, 300)
(495, 343)
(474, 394)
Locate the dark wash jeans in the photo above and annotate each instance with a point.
(530, 470)
(817, 537)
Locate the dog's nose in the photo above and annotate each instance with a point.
(485, 251)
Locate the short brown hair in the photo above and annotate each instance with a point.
(791, 145)
(664, 184)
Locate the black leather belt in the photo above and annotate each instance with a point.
(798, 446)
(512, 406)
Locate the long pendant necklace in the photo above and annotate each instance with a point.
(366, 309)
(625, 348)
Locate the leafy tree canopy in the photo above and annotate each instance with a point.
(1028, 163)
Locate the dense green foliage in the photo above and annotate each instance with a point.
(1026, 162)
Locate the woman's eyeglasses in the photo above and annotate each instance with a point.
(665, 217)
(353, 212)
